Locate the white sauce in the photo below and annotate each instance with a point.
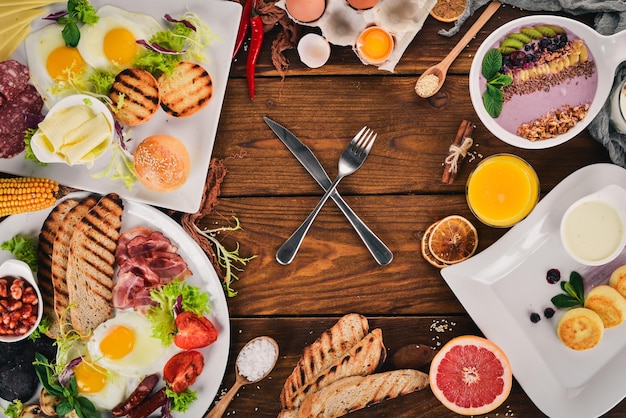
(256, 359)
(593, 230)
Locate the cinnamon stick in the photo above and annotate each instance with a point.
(449, 172)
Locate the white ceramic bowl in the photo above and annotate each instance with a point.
(43, 154)
(618, 108)
(16, 268)
(608, 52)
(593, 228)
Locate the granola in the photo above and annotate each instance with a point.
(554, 123)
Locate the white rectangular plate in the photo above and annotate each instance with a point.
(504, 284)
(196, 131)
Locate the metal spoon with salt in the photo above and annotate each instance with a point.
(423, 87)
(241, 380)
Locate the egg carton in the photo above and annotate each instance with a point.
(341, 24)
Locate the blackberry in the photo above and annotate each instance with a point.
(548, 313)
(534, 317)
(553, 276)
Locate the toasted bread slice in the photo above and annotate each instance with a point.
(90, 264)
(186, 91)
(44, 260)
(323, 352)
(60, 251)
(135, 95)
(362, 359)
(356, 392)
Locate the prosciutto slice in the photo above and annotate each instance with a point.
(147, 260)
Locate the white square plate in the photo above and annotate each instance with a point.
(504, 284)
(196, 131)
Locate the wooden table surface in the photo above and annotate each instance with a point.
(398, 192)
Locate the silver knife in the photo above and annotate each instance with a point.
(379, 250)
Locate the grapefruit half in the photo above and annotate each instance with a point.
(471, 375)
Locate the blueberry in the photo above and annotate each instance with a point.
(544, 43)
(553, 276)
(534, 317)
(563, 38)
(548, 312)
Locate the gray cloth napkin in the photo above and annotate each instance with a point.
(610, 18)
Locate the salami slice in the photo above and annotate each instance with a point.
(11, 144)
(29, 99)
(14, 78)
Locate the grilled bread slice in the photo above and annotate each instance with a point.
(323, 352)
(135, 95)
(90, 264)
(60, 251)
(44, 260)
(362, 359)
(185, 91)
(356, 392)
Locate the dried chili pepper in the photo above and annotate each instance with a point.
(244, 24)
(256, 27)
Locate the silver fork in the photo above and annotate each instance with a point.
(351, 159)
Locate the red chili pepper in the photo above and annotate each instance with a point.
(256, 26)
(244, 24)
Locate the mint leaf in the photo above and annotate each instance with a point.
(491, 63)
(500, 80)
(563, 301)
(71, 34)
(493, 99)
(578, 285)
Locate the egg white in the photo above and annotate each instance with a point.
(147, 356)
(113, 393)
(91, 45)
(39, 45)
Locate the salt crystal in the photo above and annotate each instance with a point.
(256, 359)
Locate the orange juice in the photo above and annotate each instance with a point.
(502, 190)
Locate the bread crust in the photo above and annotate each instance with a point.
(185, 91)
(90, 267)
(356, 392)
(135, 95)
(44, 260)
(323, 352)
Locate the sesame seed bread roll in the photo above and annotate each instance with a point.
(162, 163)
(580, 329)
(608, 303)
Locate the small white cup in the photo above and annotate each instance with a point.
(618, 108)
(593, 227)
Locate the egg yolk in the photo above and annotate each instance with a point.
(90, 378)
(119, 46)
(375, 44)
(118, 342)
(61, 60)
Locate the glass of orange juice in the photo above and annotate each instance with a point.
(502, 190)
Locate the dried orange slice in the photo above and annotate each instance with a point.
(453, 239)
(426, 253)
(448, 10)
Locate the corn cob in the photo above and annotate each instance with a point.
(26, 194)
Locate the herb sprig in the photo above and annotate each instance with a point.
(493, 97)
(574, 292)
(78, 11)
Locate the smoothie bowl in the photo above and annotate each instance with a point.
(538, 81)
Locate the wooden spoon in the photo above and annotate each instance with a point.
(220, 407)
(441, 69)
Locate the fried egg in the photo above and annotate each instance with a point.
(110, 44)
(51, 61)
(105, 389)
(124, 345)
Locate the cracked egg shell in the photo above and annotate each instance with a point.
(305, 11)
(362, 4)
(313, 50)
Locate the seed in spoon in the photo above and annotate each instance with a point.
(426, 86)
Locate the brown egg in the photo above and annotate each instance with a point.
(305, 10)
(362, 4)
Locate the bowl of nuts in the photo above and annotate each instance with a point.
(20, 301)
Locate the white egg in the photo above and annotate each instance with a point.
(50, 61)
(124, 345)
(104, 388)
(110, 44)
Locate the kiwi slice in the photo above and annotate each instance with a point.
(545, 30)
(506, 50)
(532, 33)
(557, 29)
(512, 43)
(520, 37)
